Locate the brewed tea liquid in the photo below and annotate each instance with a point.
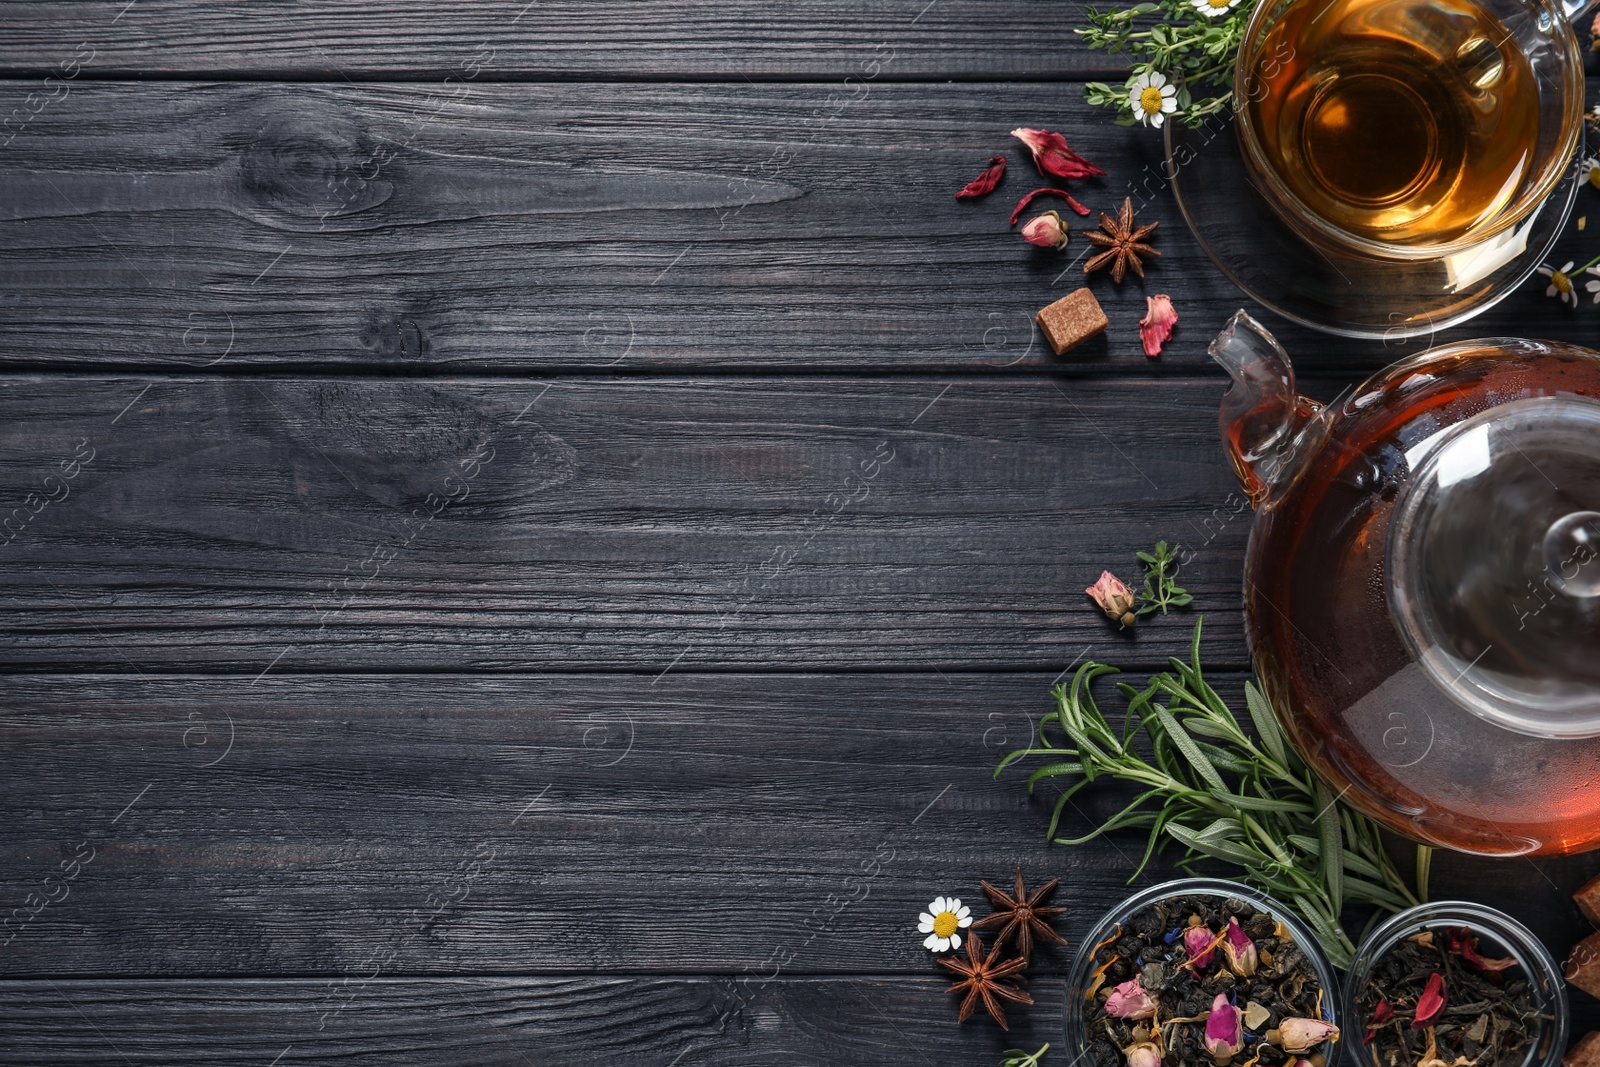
(1405, 121)
(1327, 646)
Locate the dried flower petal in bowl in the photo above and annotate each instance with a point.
(1201, 973)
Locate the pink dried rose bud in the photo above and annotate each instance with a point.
(1130, 1001)
(1239, 950)
(1143, 1054)
(1046, 231)
(1303, 1035)
(1431, 1004)
(1052, 156)
(1156, 326)
(984, 183)
(1114, 598)
(1224, 1030)
(1199, 942)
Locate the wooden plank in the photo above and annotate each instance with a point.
(388, 825)
(545, 1022)
(523, 825)
(518, 39)
(636, 524)
(515, 227)
(550, 1022)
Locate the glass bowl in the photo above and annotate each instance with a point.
(1501, 936)
(1083, 965)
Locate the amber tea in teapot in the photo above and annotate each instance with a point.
(1396, 120)
(1423, 584)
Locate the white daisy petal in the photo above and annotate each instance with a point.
(937, 906)
(925, 925)
(963, 911)
(1157, 119)
(1568, 268)
(942, 945)
(955, 940)
(1550, 290)
(966, 920)
(931, 942)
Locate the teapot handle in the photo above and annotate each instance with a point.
(1267, 428)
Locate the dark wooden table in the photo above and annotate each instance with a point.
(565, 512)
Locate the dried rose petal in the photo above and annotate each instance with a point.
(984, 183)
(1114, 598)
(1154, 329)
(1460, 941)
(1431, 1004)
(1046, 231)
(1052, 156)
(1022, 205)
(1382, 1012)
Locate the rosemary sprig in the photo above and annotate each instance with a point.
(1160, 591)
(1211, 788)
(1193, 50)
(1016, 1057)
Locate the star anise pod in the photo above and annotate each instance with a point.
(1122, 243)
(986, 977)
(1022, 916)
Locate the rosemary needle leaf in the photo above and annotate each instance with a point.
(1203, 783)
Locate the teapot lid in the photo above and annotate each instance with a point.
(1494, 564)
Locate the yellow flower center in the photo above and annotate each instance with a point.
(1594, 176)
(1150, 100)
(945, 923)
(1562, 283)
(1219, 4)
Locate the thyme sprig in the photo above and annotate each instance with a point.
(1219, 793)
(1190, 48)
(1016, 1057)
(1161, 591)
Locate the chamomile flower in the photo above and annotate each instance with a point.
(942, 921)
(1560, 285)
(1593, 286)
(1151, 98)
(1214, 8)
(1590, 170)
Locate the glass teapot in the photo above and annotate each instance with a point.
(1422, 587)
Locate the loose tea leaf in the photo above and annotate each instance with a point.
(1200, 981)
(1427, 1005)
(1206, 784)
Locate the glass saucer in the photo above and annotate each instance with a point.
(1333, 291)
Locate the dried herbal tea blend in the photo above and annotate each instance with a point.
(1194, 981)
(1434, 1000)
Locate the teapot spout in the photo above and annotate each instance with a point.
(1267, 428)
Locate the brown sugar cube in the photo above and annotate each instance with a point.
(1588, 898)
(1072, 320)
(1583, 965)
(1585, 1052)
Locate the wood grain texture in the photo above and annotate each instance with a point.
(417, 39)
(509, 1023)
(639, 524)
(381, 826)
(506, 228)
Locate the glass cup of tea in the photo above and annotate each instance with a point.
(1409, 129)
